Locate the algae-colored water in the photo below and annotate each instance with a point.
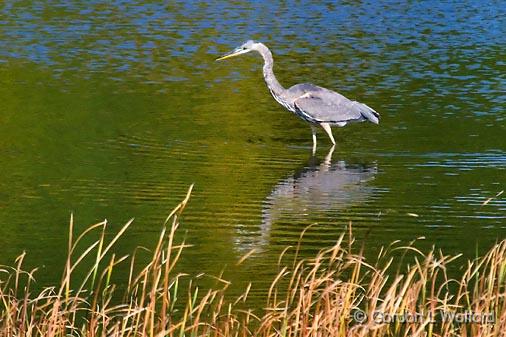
(113, 109)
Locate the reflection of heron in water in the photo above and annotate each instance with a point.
(317, 188)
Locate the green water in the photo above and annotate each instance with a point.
(112, 110)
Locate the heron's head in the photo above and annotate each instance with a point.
(246, 47)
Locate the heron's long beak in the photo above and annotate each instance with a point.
(233, 53)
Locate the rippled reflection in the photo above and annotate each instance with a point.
(112, 109)
(320, 187)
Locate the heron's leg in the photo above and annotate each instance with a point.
(326, 127)
(313, 131)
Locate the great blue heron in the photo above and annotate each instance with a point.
(314, 104)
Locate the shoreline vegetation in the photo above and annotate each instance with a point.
(335, 293)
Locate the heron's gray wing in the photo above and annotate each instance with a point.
(321, 105)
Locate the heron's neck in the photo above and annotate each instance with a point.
(274, 86)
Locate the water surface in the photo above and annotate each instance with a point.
(112, 110)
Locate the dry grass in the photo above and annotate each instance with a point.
(322, 296)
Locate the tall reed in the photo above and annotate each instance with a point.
(335, 293)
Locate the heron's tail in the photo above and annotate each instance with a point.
(369, 113)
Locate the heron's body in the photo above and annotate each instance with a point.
(316, 105)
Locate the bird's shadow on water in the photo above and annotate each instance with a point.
(318, 191)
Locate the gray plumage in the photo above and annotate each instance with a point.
(319, 105)
(314, 104)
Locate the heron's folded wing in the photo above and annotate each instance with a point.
(331, 107)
